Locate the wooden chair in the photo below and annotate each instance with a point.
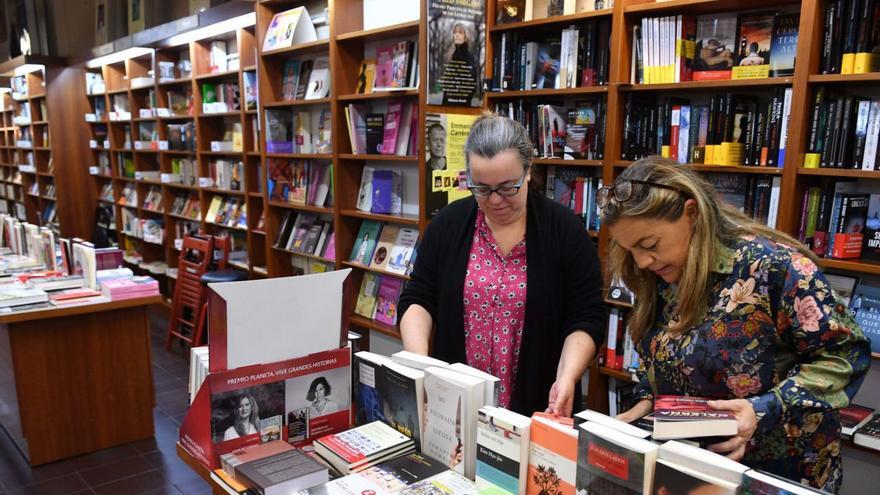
(195, 258)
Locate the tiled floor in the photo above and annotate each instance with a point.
(145, 467)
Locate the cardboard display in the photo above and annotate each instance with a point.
(296, 400)
(265, 321)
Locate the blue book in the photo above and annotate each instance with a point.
(383, 187)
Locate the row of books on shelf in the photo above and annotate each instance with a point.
(307, 79)
(844, 132)
(150, 230)
(850, 37)
(840, 219)
(378, 298)
(576, 57)
(228, 212)
(676, 48)
(559, 131)
(300, 182)
(385, 247)
(381, 191)
(306, 233)
(576, 189)
(226, 174)
(186, 205)
(220, 97)
(393, 132)
(153, 199)
(298, 131)
(129, 196)
(730, 130)
(395, 68)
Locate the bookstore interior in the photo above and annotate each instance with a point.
(196, 171)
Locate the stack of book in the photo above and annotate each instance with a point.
(362, 447)
(272, 468)
(131, 288)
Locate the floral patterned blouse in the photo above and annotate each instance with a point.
(494, 307)
(776, 335)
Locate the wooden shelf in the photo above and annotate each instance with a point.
(301, 156)
(840, 172)
(852, 265)
(220, 153)
(727, 169)
(177, 185)
(871, 77)
(406, 220)
(694, 7)
(217, 75)
(176, 117)
(532, 93)
(225, 192)
(710, 85)
(361, 266)
(178, 152)
(308, 208)
(618, 374)
(297, 103)
(393, 31)
(391, 331)
(303, 255)
(547, 22)
(379, 95)
(233, 113)
(182, 80)
(378, 158)
(297, 49)
(564, 163)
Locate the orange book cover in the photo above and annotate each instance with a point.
(552, 455)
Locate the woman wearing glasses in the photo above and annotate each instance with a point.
(507, 279)
(730, 309)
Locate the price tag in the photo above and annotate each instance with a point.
(93, 143)
(90, 117)
(163, 112)
(113, 116)
(178, 244)
(138, 145)
(216, 146)
(145, 113)
(107, 144)
(163, 145)
(205, 182)
(93, 170)
(138, 175)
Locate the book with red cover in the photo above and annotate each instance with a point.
(853, 417)
(678, 416)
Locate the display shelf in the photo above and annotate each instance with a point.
(709, 85)
(378, 158)
(291, 206)
(840, 172)
(535, 93)
(361, 266)
(391, 331)
(304, 48)
(693, 7)
(400, 219)
(297, 103)
(548, 22)
(303, 255)
(401, 30)
(871, 77)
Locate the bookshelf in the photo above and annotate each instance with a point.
(169, 142)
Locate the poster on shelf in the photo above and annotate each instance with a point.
(296, 400)
(456, 52)
(445, 135)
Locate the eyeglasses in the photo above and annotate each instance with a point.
(505, 191)
(623, 190)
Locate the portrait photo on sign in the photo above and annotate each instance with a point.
(456, 52)
(248, 411)
(319, 394)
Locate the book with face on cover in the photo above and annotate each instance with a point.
(383, 249)
(362, 251)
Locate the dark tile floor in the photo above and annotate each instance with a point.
(146, 467)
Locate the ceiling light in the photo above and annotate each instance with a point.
(135, 51)
(213, 29)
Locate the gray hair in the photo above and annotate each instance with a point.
(492, 134)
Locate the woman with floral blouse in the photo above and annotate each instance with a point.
(730, 309)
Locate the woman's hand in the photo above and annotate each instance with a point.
(641, 409)
(561, 398)
(746, 424)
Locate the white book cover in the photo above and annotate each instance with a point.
(365, 196)
(605, 420)
(872, 136)
(417, 361)
(502, 450)
(492, 383)
(402, 251)
(319, 80)
(452, 401)
(288, 28)
(703, 461)
(773, 211)
(783, 136)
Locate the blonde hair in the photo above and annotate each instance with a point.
(715, 223)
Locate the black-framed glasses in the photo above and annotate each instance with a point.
(623, 190)
(504, 190)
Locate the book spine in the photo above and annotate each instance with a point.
(871, 137)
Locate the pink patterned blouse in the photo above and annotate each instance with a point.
(494, 307)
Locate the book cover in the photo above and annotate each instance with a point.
(502, 450)
(610, 458)
(375, 131)
(552, 457)
(783, 47)
(854, 416)
(871, 241)
(716, 46)
(757, 482)
(510, 11)
(360, 444)
(455, 53)
(547, 66)
(284, 472)
(446, 483)
(869, 434)
(281, 30)
(386, 300)
(753, 50)
(382, 191)
(279, 131)
(366, 75)
(391, 128)
(401, 253)
(668, 478)
(302, 81)
(865, 304)
(847, 241)
(365, 242)
(365, 193)
(367, 369)
(399, 60)
(384, 74)
(404, 471)
(319, 79)
(297, 189)
(449, 435)
(383, 247)
(402, 395)
(289, 79)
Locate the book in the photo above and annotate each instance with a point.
(366, 74)
(366, 301)
(386, 300)
(552, 456)
(853, 417)
(492, 384)
(361, 447)
(396, 474)
(384, 245)
(757, 482)
(402, 393)
(677, 416)
(281, 473)
(230, 461)
(710, 466)
(865, 304)
(668, 476)
(402, 252)
(362, 251)
(502, 450)
(783, 47)
(753, 51)
(869, 434)
(287, 28)
(375, 125)
(608, 457)
(319, 80)
(367, 371)
(716, 46)
(610, 422)
(452, 402)
(383, 187)
(417, 361)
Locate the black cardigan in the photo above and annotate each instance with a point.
(564, 290)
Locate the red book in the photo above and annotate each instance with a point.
(853, 417)
(679, 416)
(673, 132)
(392, 128)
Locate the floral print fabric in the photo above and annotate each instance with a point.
(775, 334)
(494, 307)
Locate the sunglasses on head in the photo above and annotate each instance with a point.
(622, 190)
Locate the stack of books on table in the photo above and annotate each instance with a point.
(76, 296)
(16, 297)
(129, 288)
(362, 447)
(272, 468)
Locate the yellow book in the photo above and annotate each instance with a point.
(751, 71)
(710, 155)
(862, 63)
(811, 160)
(664, 151)
(732, 154)
(216, 204)
(848, 64)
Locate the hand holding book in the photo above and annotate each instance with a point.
(746, 424)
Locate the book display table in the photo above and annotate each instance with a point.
(78, 379)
